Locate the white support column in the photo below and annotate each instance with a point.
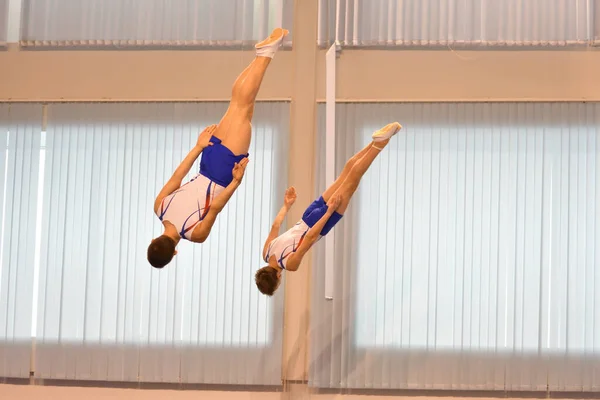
(330, 68)
(302, 144)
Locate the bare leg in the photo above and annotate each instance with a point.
(235, 129)
(246, 86)
(349, 164)
(355, 168)
(350, 184)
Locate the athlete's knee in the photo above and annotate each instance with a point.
(250, 113)
(161, 251)
(239, 110)
(353, 159)
(349, 165)
(354, 177)
(242, 96)
(348, 189)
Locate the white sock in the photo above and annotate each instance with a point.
(270, 49)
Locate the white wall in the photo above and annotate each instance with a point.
(406, 75)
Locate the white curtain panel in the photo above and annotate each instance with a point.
(20, 136)
(596, 22)
(103, 312)
(3, 21)
(152, 23)
(468, 257)
(456, 22)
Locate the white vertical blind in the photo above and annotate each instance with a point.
(20, 132)
(104, 312)
(92, 23)
(468, 258)
(455, 22)
(596, 21)
(3, 21)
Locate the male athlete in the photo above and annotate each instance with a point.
(285, 252)
(189, 211)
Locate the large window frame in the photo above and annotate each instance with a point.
(152, 359)
(341, 358)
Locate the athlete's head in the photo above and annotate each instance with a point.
(267, 280)
(161, 251)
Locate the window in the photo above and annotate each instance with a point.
(97, 309)
(469, 253)
(152, 23)
(442, 23)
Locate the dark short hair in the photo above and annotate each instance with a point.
(267, 280)
(161, 251)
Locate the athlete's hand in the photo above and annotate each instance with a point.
(239, 169)
(204, 137)
(333, 203)
(290, 196)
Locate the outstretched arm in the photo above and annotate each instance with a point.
(312, 235)
(288, 200)
(188, 162)
(202, 231)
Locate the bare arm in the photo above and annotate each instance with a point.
(182, 170)
(202, 231)
(275, 228)
(312, 235)
(289, 199)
